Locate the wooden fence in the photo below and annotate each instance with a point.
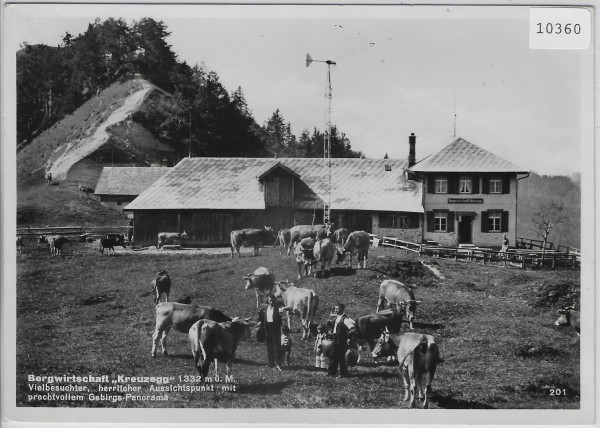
(522, 257)
(72, 231)
(533, 244)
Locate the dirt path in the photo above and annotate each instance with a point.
(74, 151)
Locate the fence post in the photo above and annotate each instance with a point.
(456, 254)
(553, 260)
(574, 261)
(522, 261)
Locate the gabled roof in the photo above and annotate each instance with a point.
(271, 168)
(128, 181)
(233, 183)
(462, 156)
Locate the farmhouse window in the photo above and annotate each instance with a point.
(440, 222)
(441, 185)
(494, 221)
(399, 221)
(495, 185)
(465, 185)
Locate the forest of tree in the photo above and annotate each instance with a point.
(54, 81)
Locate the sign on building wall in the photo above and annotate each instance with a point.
(465, 200)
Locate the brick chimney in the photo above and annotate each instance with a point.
(412, 141)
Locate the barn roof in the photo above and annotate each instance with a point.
(128, 181)
(233, 183)
(462, 156)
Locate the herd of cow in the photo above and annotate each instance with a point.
(215, 336)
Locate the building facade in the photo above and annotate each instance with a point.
(469, 196)
(461, 195)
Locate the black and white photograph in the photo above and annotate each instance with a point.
(283, 213)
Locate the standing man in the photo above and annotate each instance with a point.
(270, 319)
(340, 342)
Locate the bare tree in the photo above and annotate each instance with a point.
(547, 217)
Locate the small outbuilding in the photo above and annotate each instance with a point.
(118, 186)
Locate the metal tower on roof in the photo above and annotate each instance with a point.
(327, 142)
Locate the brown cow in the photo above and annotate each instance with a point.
(212, 341)
(251, 238)
(418, 355)
(400, 296)
(263, 282)
(358, 242)
(304, 256)
(180, 317)
(316, 232)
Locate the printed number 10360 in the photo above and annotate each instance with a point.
(558, 28)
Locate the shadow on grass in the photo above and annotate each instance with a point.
(248, 362)
(453, 403)
(428, 326)
(342, 271)
(265, 388)
(181, 356)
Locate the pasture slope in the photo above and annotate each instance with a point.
(84, 313)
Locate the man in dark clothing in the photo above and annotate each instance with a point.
(270, 320)
(340, 342)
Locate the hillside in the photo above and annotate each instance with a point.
(74, 150)
(537, 189)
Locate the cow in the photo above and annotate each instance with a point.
(263, 282)
(341, 235)
(358, 242)
(303, 251)
(316, 232)
(251, 238)
(394, 293)
(20, 245)
(370, 327)
(180, 317)
(283, 241)
(161, 285)
(54, 243)
(110, 242)
(568, 317)
(418, 355)
(84, 190)
(170, 238)
(212, 341)
(323, 254)
(299, 301)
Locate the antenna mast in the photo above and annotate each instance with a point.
(454, 112)
(327, 142)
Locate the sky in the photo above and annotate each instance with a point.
(430, 70)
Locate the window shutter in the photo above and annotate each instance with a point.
(506, 184)
(485, 184)
(453, 184)
(484, 222)
(475, 181)
(413, 220)
(430, 225)
(504, 221)
(450, 221)
(430, 184)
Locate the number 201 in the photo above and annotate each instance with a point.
(558, 28)
(558, 392)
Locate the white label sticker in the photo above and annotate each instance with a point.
(560, 28)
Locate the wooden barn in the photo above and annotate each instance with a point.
(210, 197)
(118, 186)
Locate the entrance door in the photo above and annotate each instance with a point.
(465, 230)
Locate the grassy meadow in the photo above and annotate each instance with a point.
(86, 313)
